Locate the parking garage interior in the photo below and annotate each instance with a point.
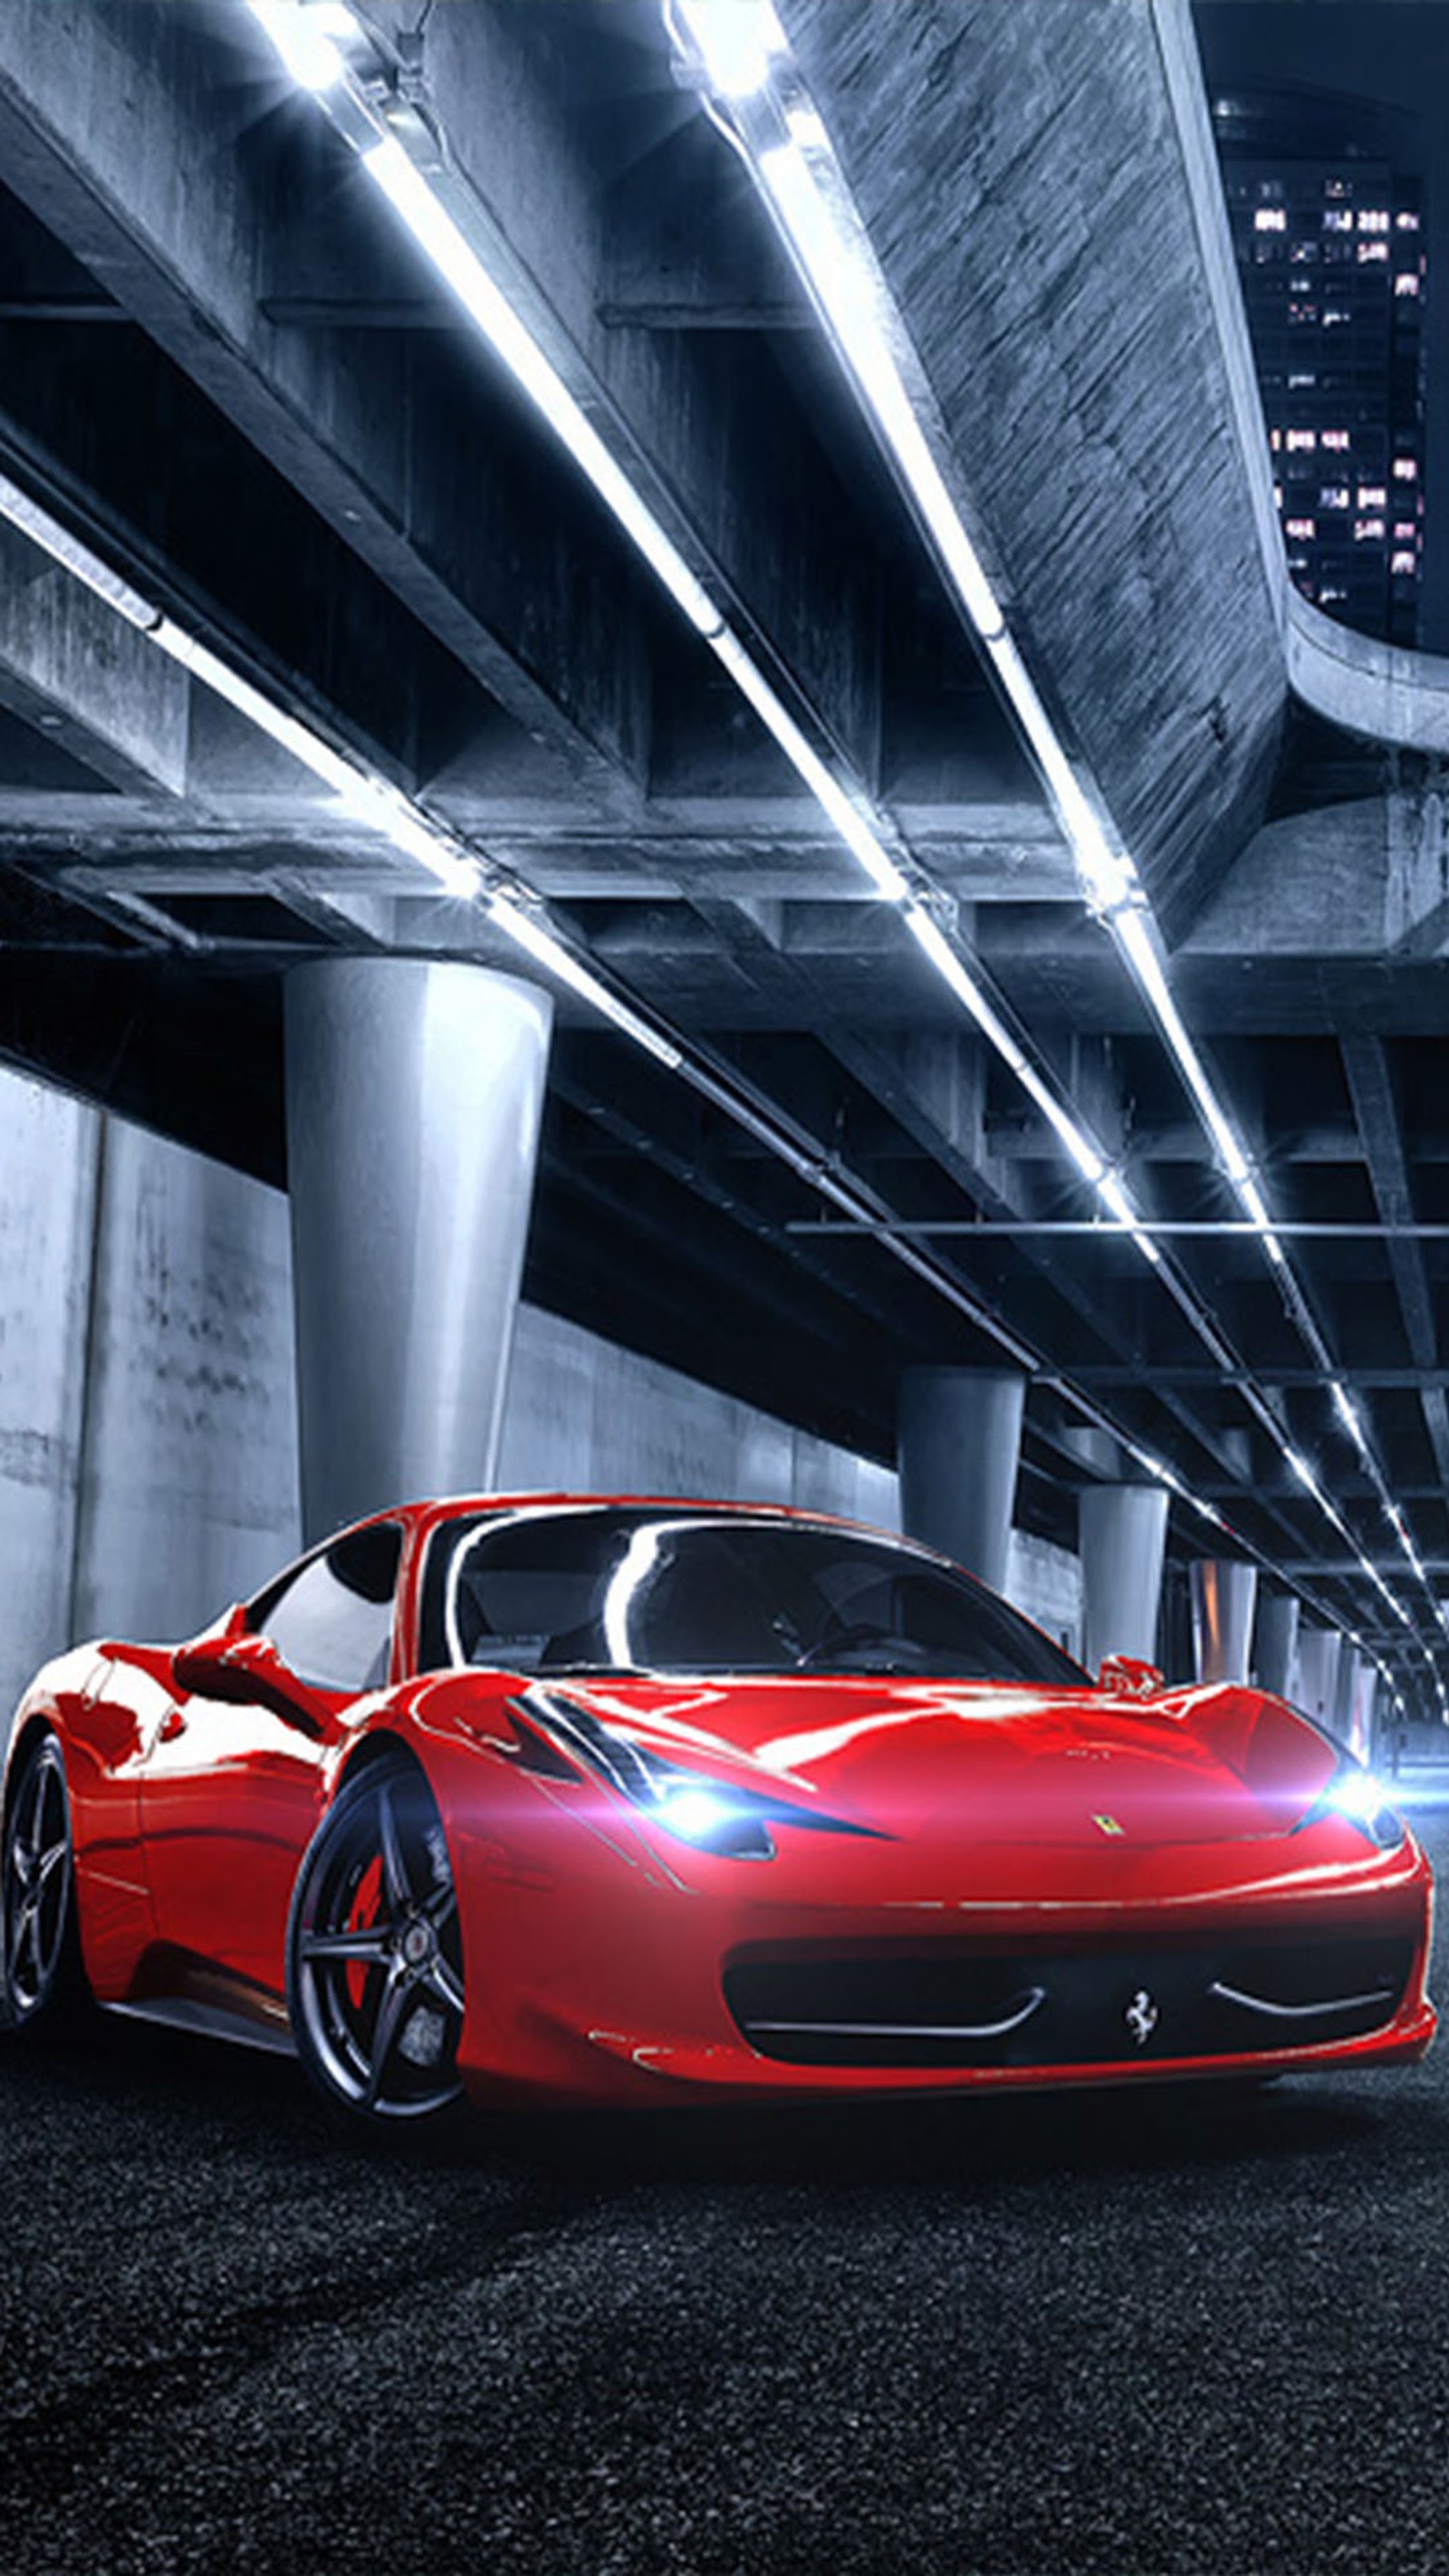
(669, 826)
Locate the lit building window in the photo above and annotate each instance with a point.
(1338, 188)
(1270, 219)
(1405, 562)
(1372, 250)
(1365, 530)
(1302, 382)
(1338, 219)
(1405, 222)
(1336, 438)
(1278, 496)
(1406, 469)
(1334, 313)
(1331, 592)
(1300, 312)
(1407, 282)
(1405, 532)
(1303, 528)
(1301, 442)
(1334, 496)
(1373, 219)
(1371, 496)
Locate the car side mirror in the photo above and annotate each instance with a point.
(1129, 1677)
(243, 1670)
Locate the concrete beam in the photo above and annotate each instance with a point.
(1005, 161)
(86, 679)
(1370, 1083)
(710, 430)
(100, 116)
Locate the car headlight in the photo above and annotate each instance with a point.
(1356, 1795)
(712, 1815)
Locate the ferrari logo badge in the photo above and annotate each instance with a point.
(1142, 2016)
(1107, 1825)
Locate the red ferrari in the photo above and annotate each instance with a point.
(549, 1798)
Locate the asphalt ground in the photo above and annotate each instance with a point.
(1174, 2331)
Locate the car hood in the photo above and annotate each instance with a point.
(934, 1760)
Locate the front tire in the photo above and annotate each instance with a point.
(42, 1971)
(374, 1951)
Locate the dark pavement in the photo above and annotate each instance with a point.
(1175, 2332)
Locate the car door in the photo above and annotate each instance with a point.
(230, 1787)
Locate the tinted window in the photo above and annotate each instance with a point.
(331, 1619)
(648, 1591)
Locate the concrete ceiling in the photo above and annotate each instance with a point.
(224, 365)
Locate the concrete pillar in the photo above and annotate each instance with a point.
(1223, 1594)
(1275, 1642)
(414, 1098)
(1319, 1651)
(1122, 1534)
(1365, 1737)
(1344, 1720)
(958, 1441)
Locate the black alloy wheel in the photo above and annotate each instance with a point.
(374, 1951)
(42, 1970)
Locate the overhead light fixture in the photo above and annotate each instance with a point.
(47, 532)
(308, 34)
(738, 43)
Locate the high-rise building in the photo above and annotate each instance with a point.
(1330, 247)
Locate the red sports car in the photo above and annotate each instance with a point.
(591, 1801)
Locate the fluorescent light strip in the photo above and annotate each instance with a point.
(539, 942)
(738, 45)
(852, 295)
(35, 522)
(307, 38)
(460, 268)
(855, 830)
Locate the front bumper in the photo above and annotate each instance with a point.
(602, 1964)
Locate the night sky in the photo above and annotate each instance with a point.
(1396, 53)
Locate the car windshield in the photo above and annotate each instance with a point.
(631, 1590)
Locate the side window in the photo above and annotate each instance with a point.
(331, 1620)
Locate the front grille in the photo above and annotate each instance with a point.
(1020, 2007)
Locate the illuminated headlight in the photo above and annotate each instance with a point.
(712, 1815)
(1356, 1795)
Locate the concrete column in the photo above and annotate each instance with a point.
(1319, 1652)
(414, 1098)
(1275, 1641)
(1344, 1720)
(1223, 1594)
(1121, 1533)
(958, 1441)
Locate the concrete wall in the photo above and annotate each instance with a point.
(582, 1413)
(148, 1464)
(1046, 1582)
(48, 1148)
(148, 1452)
(188, 1483)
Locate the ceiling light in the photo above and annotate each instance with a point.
(737, 41)
(523, 925)
(46, 532)
(460, 268)
(307, 34)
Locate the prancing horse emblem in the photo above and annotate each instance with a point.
(1142, 2016)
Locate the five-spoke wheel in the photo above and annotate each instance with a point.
(36, 1876)
(374, 1954)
